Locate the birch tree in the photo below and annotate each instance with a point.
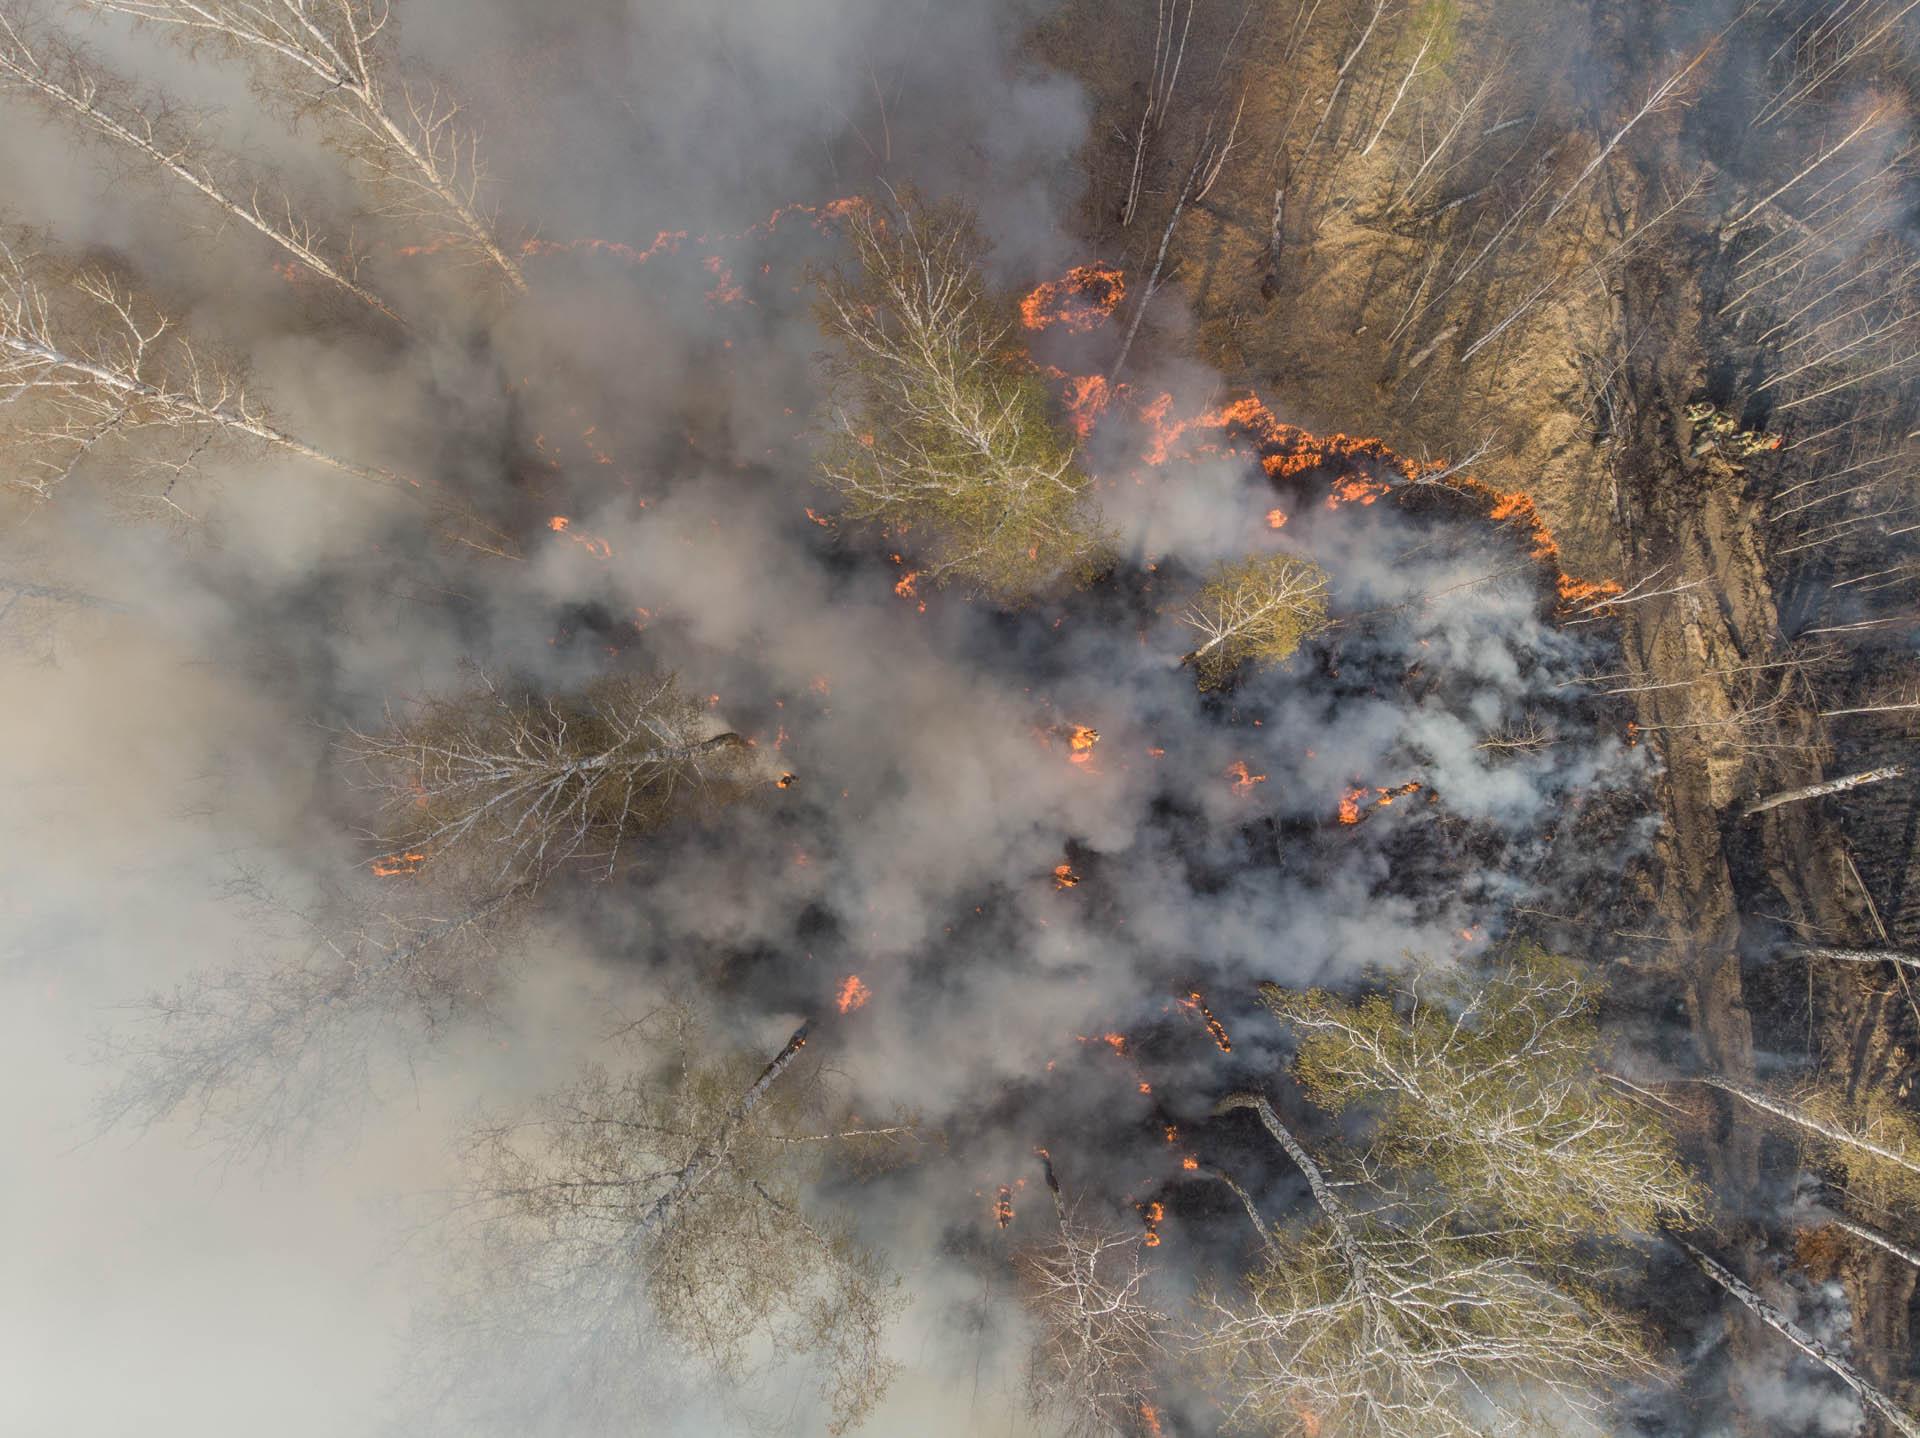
(516, 785)
(1489, 1080)
(1869, 1136)
(1256, 610)
(334, 63)
(261, 1055)
(1383, 1322)
(937, 425)
(667, 1201)
(1099, 1333)
(86, 361)
(69, 82)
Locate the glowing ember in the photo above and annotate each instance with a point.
(1190, 1163)
(820, 520)
(853, 994)
(787, 781)
(1151, 1214)
(724, 291)
(1276, 519)
(1354, 804)
(1243, 781)
(1078, 300)
(1218, 1030)
(390, 866)
(1064, 876)
(598, 548)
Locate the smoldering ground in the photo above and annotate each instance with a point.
(182, 733)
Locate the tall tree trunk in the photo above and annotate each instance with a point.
(1831, 786)
(1870, 1397)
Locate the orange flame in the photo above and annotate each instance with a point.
(1150, 1419)
(1215, 1028)
(1354, 803)
(1288, 451)
(1276, 519)
(390, 866)
(1243, 781)
(1152, 1213)
(787, 781)
(1003, 1206)
(853, 994)
(1189, 1162)
(1064, 876)
(1080, 742)
(1079, 300)
(598, 548)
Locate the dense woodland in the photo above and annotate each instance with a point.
(1513, 401)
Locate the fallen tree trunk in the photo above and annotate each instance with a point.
(1831, 786)
(1870, 1397)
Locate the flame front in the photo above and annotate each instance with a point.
(1354, 804)
(853, 994)
(1243, 780)
(1079, 300)
(1194, 1002)
(1003, 1206)
(389, 866)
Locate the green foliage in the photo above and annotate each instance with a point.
(938, 428)
(1489, 1080)
(1886, 1180)
(1256, 610)
(1443, 1335)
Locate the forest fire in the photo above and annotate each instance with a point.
(404, 865)
(1355, 805)
(1276, 519)
(1080, 741)
(1243, 779)
(1370, 470)
(1079, 300)
(563, 526)
(853, 994)
(1064, 877)
(1152, 1214)
(1194, 1003)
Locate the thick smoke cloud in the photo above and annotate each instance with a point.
(161, 747)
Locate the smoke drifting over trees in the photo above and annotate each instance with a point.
(1053, 719)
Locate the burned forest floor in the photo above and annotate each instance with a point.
(1604, 365)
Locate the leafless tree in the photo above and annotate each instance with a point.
(335, 61)
(90, 362)
(1099, 1332)
(517, 786)
(1870, 1396)
(1828, 786)
(667, 1201)
(69, 81)
(262, 1055)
